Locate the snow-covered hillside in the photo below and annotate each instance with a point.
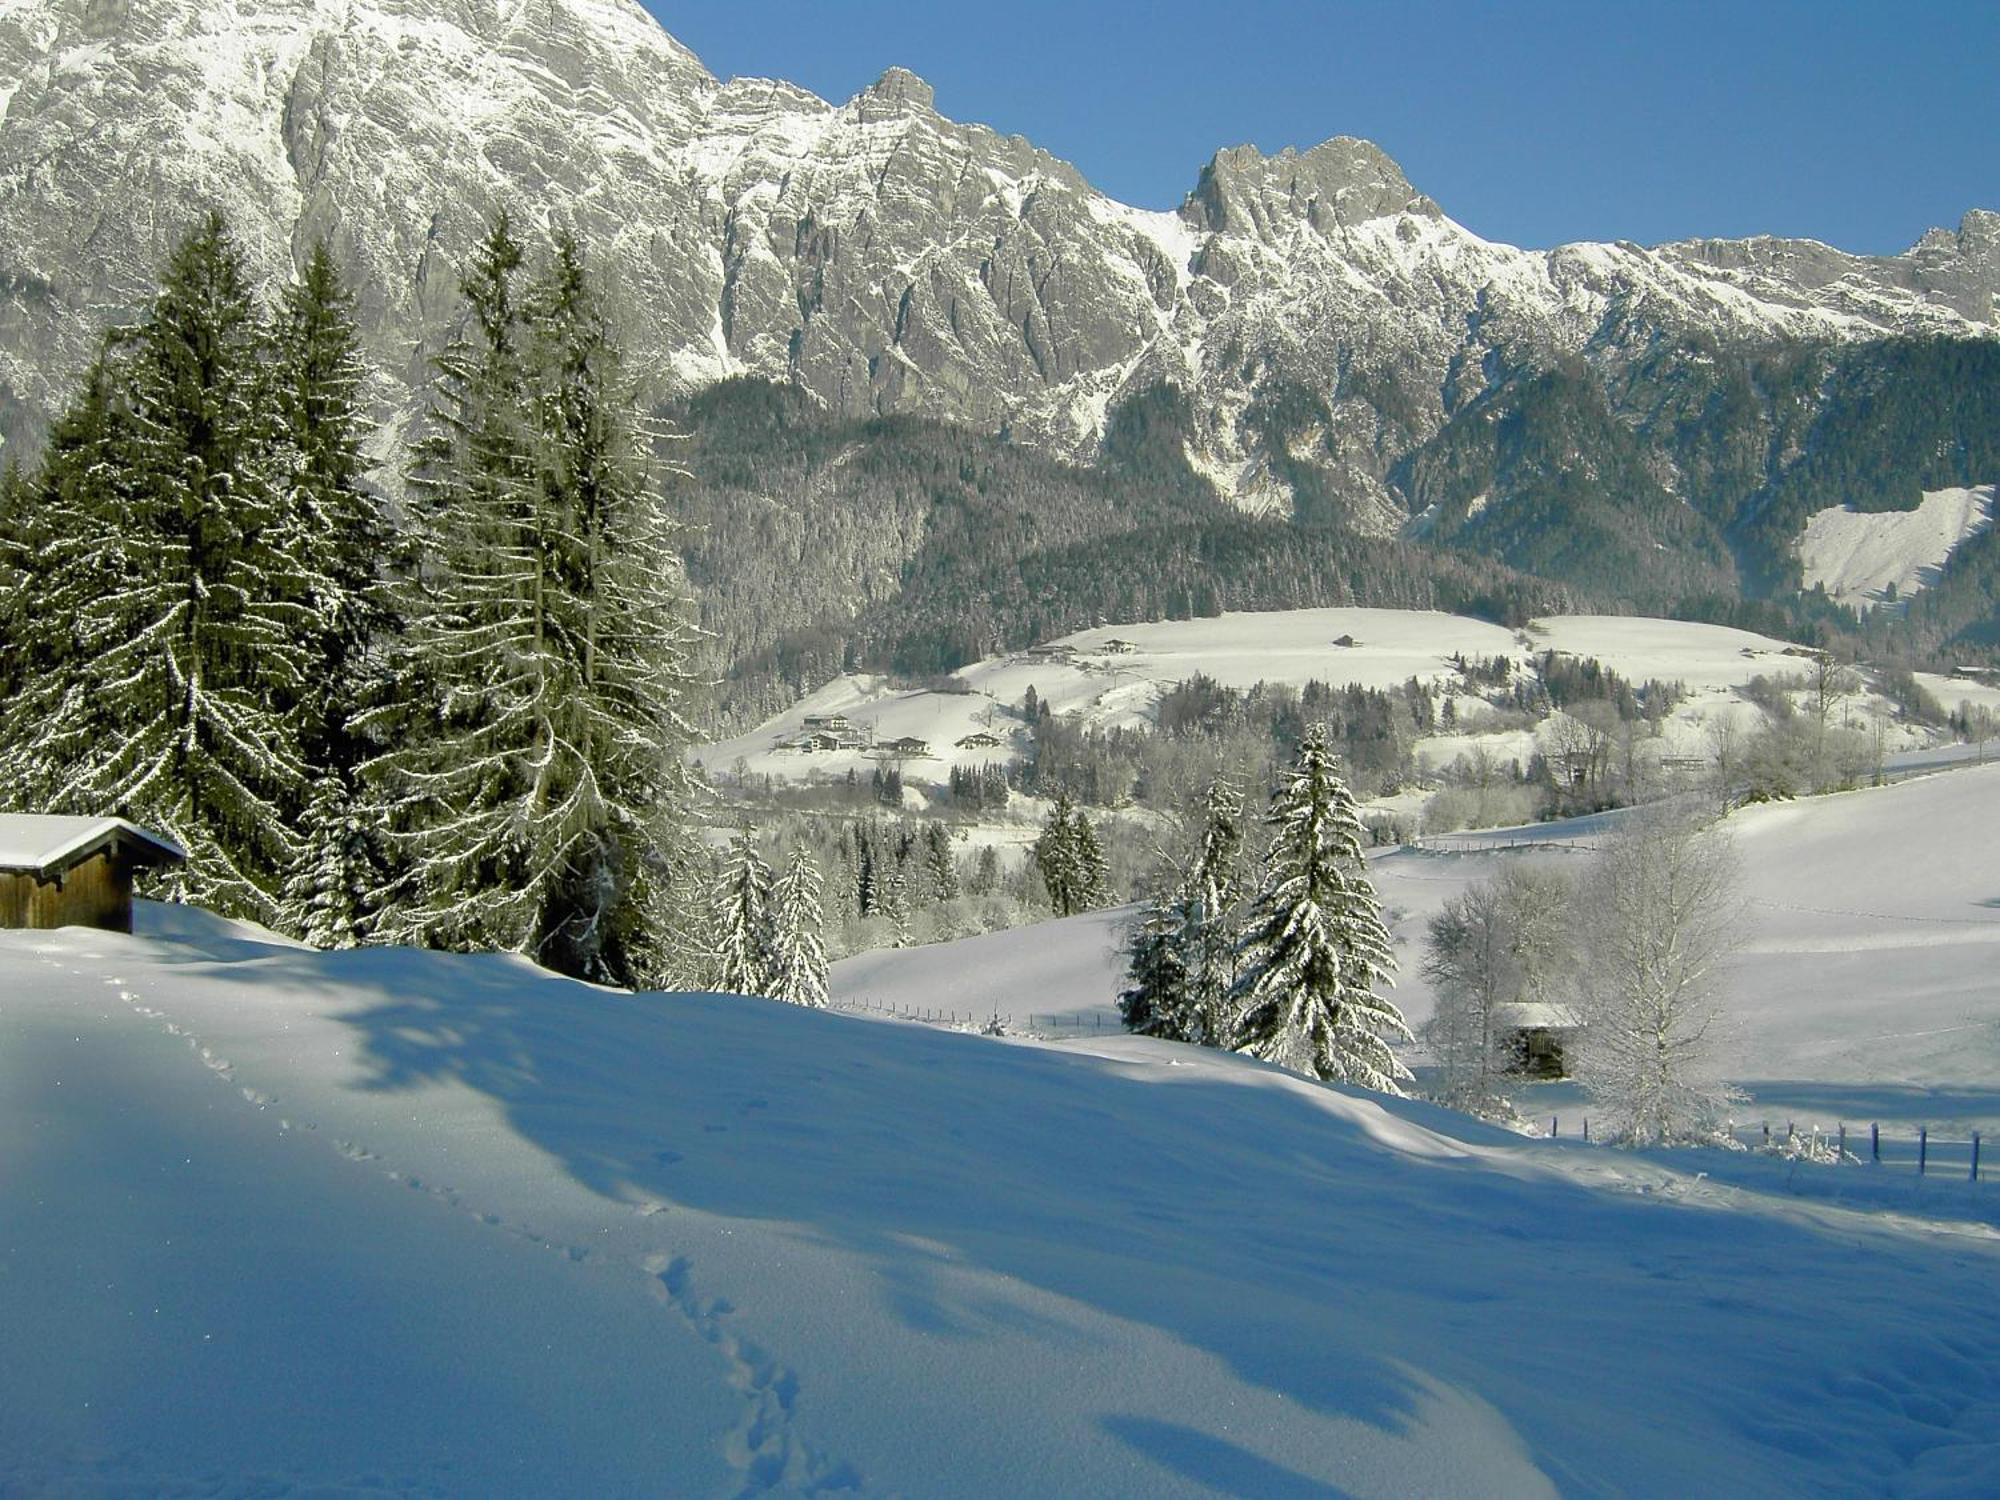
(278, 1223)
(1864, 990)
(1088, 674)
(1859, 557)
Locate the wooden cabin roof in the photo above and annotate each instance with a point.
(44, 845)
(1536, 1015)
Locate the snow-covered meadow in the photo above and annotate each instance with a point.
(1114, 676)
(1864, 990)
(277, 1222)
(1864, 558)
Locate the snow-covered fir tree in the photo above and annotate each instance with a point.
(797, 948)
(540, 798)
(1155, 1000)
(174, 696)
(343, 539)
(940, 866)
(1071, 860)
(1181, 955)
(1093, 871)
(740, 920)
(1315, 951)
(328, 896)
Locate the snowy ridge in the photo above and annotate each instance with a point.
(879, 253)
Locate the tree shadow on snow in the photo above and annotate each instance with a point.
(1222, 1466)
(1466, 1255)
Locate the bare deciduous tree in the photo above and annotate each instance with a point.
(1500, 942)
(1657, 920)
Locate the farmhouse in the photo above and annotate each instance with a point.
(1118, 646)
(74, 872)
(909, 744)
(979, 739)
(1536, 1037)
(839, 732)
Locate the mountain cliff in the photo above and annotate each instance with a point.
(1639, 421)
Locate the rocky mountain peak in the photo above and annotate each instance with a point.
(898, 91)
(1337, 184)
(877, 255)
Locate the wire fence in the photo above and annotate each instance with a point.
(1052, 1024)
(1475, 843)
(1919, 1151)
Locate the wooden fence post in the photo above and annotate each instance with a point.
(1923, 1147)
(1975, 1156)
(1843, 1141)
(1875, 1144)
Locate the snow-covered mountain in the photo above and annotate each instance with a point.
(876, 252)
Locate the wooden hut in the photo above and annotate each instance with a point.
(1538, 1037)
(74, 872)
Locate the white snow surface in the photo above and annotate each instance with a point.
(1857, 555)
(280, 1223)
(1863, 990)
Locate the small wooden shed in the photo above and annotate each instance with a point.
(74, 872)
(1538, 1036)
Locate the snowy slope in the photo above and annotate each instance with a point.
(1280, 646)
(1857, 556)
(1864, 990)
(278, 1223)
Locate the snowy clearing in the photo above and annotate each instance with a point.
(1858, 556)
(1864, 990)
(283, 1223)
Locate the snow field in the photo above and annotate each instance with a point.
(1288, 646)
(1863, 991)
(1858, 556)
(396, 1222)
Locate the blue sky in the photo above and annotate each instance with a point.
(1534, 122)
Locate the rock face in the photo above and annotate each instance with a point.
(1320, 310)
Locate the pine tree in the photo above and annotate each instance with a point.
(1056, 856)
(1181, 955)
(61, 555)
(175, 701)
(741, 924)
(1093, 872)
(797, 949)
(341, 538)
(1316, 949)
(327, 897)
(896, 906)
(541, 799)
(939, 863)
(1155, 1000)
(16, 565)
(1208, 931)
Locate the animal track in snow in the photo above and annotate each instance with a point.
(763, 1447)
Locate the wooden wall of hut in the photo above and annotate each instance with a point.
(96, 893)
